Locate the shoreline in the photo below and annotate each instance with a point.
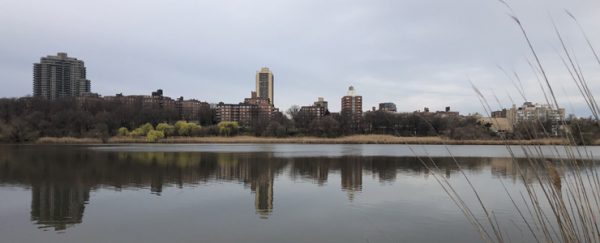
(355, 139)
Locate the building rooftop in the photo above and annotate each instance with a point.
(351, 91)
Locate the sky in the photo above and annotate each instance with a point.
(415, 53)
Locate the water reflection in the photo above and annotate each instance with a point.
(61, 178)
(58, 204)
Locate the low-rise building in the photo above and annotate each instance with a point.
(388, 106)
(155, 100)
(497, 124)
(447, 113)
(531, 112)
(252, 109)
(321, 102)
(315, 111)
(191, 110)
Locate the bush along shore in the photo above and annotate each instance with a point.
(184, 132)
(354, 139)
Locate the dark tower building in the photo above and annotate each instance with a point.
(59, 76)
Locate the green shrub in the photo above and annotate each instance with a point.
(168, 130)
(143, 130)
(138, 132)
(154, 136)
(122, 132)
(147, 128)
(195, 129)
(228, 128)
(181, 128)
(185, 128)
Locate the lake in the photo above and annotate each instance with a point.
(257, 193)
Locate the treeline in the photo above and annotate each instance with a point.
(27, 119)
(397, 124)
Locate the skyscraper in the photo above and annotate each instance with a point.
(264, 84)
(59, 76)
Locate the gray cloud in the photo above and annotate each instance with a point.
(415, 53)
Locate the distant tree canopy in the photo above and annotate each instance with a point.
(27, 119)
(584, 131)
(413, 124)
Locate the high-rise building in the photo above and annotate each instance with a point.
(352, 108)
(264, 84)
(352, 104)
(59, 76)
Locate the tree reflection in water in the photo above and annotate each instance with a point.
(62, 177)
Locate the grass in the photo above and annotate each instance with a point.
(68, 140)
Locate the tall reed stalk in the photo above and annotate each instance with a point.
(563, 202)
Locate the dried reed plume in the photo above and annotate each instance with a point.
(563, 205)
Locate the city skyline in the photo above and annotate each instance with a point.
(61, 76)
(391, 52)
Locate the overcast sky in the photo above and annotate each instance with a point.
(415, 53)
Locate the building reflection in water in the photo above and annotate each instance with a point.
(58, 205)
(61, 179)
(351, 171)
(256, 172)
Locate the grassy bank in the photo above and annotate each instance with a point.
(356, 139)
(68, 140)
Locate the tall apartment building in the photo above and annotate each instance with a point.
(352, 104)
(352, 108)
(60, 76)
(264, 84)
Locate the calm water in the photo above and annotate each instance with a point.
(250, 193)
